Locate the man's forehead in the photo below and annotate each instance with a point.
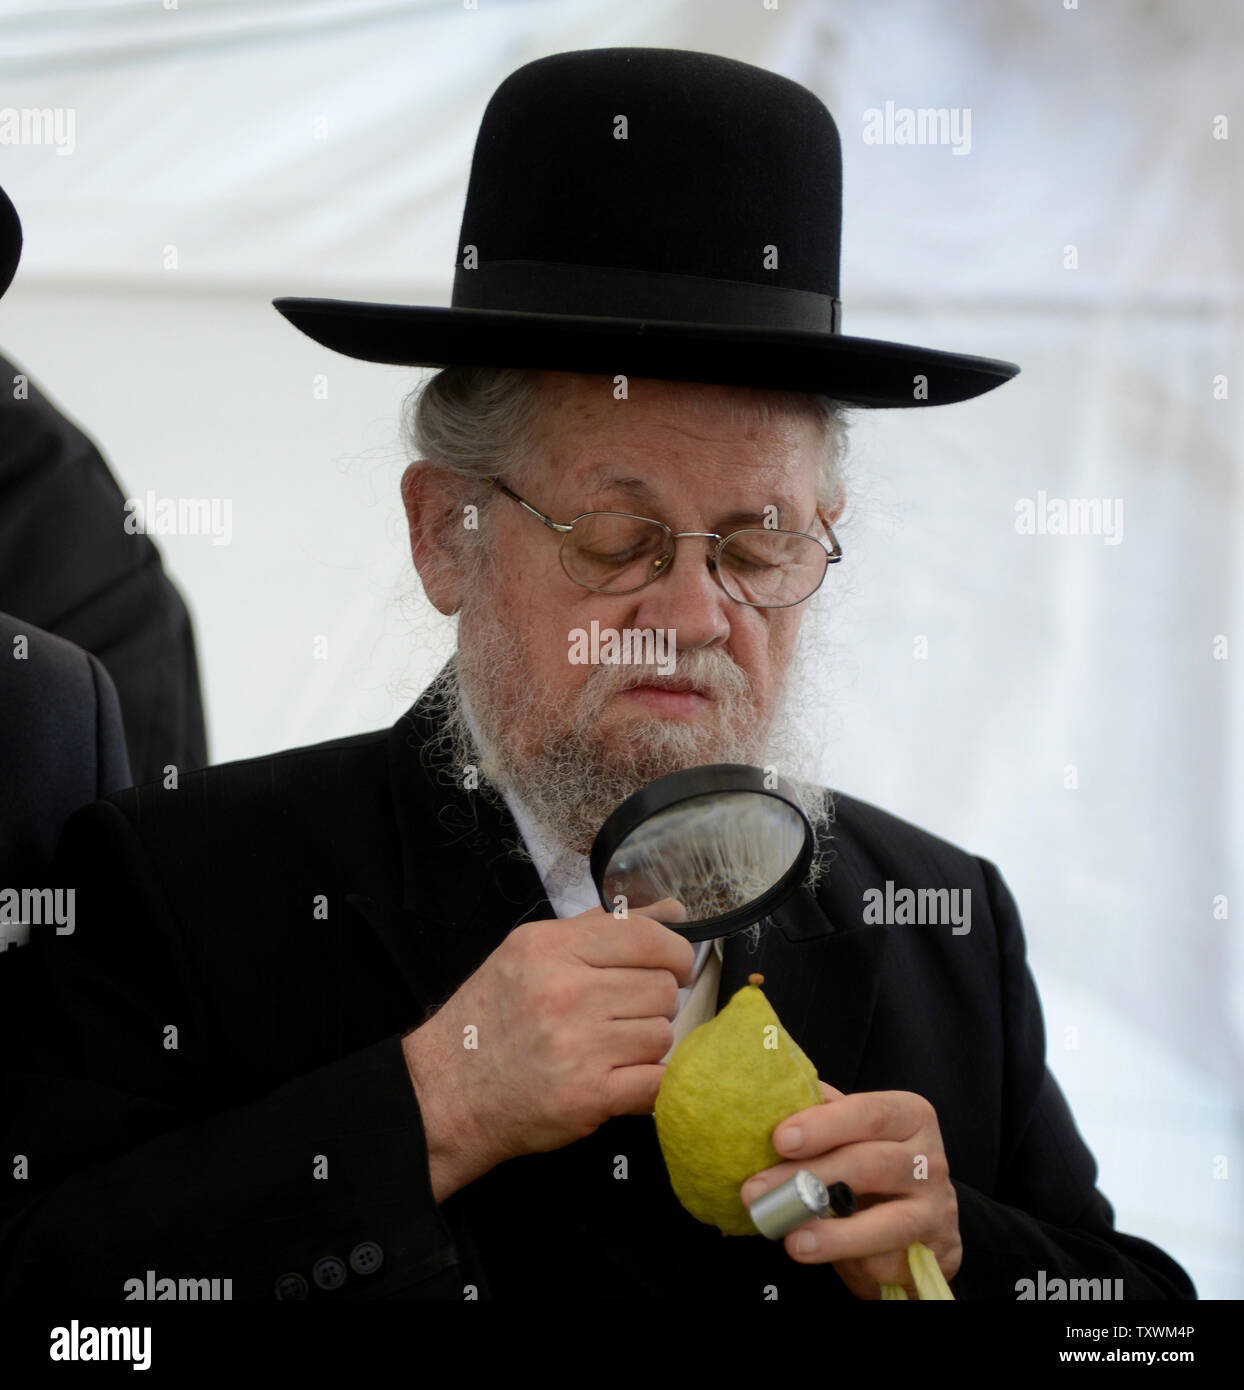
(741, 502)
(610, 477)
(595, 441)
(573, 402)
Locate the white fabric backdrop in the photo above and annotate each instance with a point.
(323, 148)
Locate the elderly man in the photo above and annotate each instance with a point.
(351, 1021)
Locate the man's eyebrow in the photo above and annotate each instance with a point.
(605, 481)
(602, 480)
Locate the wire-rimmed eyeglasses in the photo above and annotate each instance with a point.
(617, 553)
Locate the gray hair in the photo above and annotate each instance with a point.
(478, 423)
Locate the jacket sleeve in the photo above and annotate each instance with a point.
(123, 1153)
(1046, 1212)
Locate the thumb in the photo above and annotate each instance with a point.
(829, 1092)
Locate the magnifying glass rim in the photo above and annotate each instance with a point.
(687, 785)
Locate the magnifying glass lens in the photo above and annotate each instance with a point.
(715, 853)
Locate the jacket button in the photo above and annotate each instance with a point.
(329, 1272)
(291, 1286)
(366, 1258)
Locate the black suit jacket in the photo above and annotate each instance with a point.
(61, 744)
(68, 564)
(291, 916)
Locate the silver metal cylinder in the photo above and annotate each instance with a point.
(789, 1204)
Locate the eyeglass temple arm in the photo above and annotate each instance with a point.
(548, 521)
(835, 553)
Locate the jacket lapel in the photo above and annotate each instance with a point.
(462, 890)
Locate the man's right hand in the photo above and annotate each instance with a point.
(562, 1027)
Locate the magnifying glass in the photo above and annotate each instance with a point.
(729, 841)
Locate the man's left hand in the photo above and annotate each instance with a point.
(887, 1145)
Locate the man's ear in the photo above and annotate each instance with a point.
(435, 516)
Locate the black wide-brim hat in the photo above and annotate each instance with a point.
(653, 212)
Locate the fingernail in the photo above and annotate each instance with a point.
(790, 1139)
(753, 1189)
(805, 1243)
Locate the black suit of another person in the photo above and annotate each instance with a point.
(61, 744)
(68, 565)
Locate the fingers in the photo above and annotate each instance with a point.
(874, 1172)
(867, 1115)
(880, 1234)
(633, 1090)
(636, 1042)
(624, 992)
(666, 910)
(639, 940)
(882, 1168)
(865, 1277)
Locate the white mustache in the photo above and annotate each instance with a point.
(717, 677)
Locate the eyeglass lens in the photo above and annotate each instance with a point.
(617, 554)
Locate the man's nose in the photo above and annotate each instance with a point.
(687, 597)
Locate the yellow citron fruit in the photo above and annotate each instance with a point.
(727, 1087)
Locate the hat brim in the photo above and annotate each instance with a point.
(857, 371)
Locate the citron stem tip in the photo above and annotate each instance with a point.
(755, 979)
